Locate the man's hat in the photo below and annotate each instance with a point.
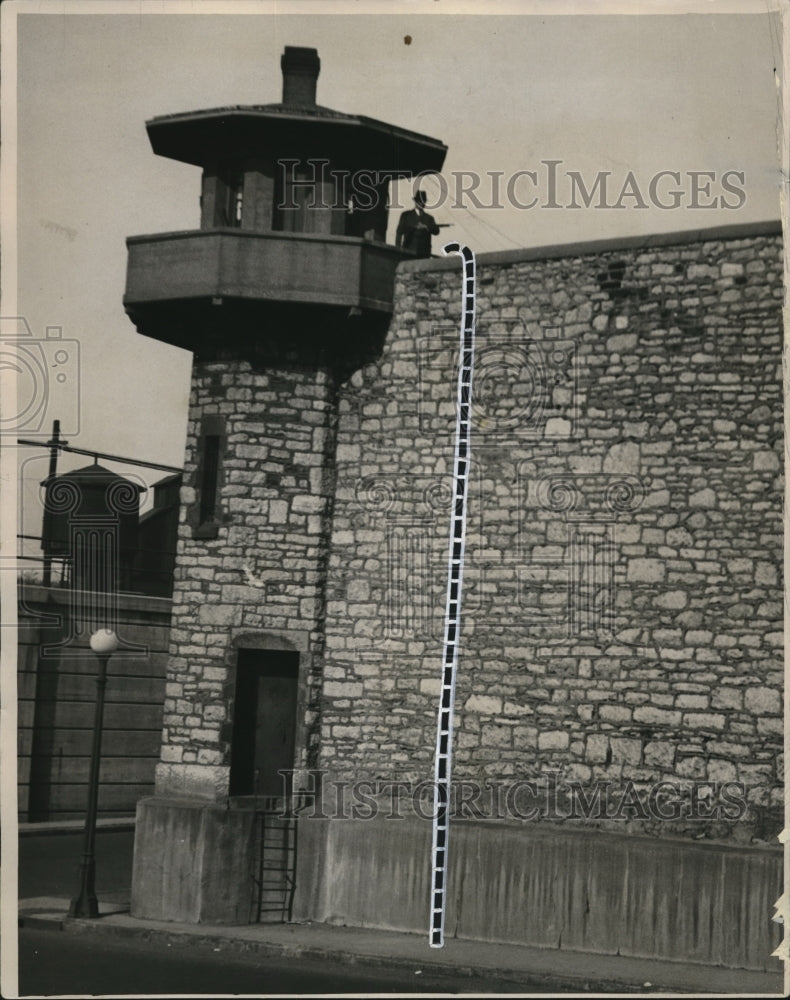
(419, 197)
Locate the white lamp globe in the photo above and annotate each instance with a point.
(104, 641)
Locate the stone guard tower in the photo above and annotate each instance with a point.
(284, 290)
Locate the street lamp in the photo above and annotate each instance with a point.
(103, 643)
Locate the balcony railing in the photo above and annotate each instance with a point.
(277, 267)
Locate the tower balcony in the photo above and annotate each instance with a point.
(225, 285)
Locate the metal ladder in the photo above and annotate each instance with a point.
(275, 870)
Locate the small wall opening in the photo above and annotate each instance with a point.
(264, 721)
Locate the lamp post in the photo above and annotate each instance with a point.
(103, 643)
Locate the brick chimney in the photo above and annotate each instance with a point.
(300, 75)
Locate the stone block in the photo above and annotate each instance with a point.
(672, 599)
(765, 573)
(219, 614)
(342, 689)
(770, 726)
(646, 570)
(585, 464)
(614, 713)
(765, 461)
(705, 498)
(622, 459)
(496, 736)
(619, 343)
(513, 709)
(695, 272)
(769, 609)
(763, 701)
(240, 594)
(652, 716)
(526, 736)
(577, 773)
(484, 705)
(597, 749)
(679, 537)
(308, 504)
(692, 701)
(726, 697)
(722, 770)
(555, 739)
(625, 750)
(704, 720)
(192, 781)
(692, 767)
(558, 427)
(278, 512)
(348, 452)
(657, 498)
(699, 637)
(660, 754)
(358, 590)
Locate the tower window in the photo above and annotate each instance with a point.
(207, 515)
(209, 478)
(230, 201)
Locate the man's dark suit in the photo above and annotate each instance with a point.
(414, 232)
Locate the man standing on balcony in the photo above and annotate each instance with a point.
(415, 228)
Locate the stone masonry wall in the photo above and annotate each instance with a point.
(622, 598)
(259, 581)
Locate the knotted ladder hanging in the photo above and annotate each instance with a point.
(452, 616)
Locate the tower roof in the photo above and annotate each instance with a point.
(92, 474)
(295, 126)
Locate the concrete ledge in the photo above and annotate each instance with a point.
(741, 231)
(36, 593)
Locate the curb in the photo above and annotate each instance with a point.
(74, 826)
(268, 949)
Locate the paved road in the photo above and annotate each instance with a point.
(52, 963)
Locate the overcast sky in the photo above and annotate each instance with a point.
(674, 92)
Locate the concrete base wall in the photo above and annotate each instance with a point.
(538, 885)
(192, 862)
(575, 889)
